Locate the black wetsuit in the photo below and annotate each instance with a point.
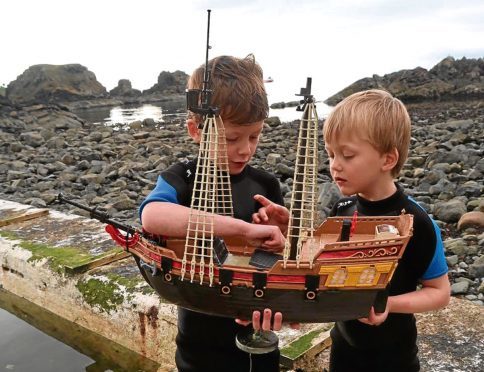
(206, 343)
(390, 346)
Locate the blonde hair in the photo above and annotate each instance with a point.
(377, 117)
(238, 88)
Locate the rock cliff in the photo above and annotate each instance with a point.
(450, 79)
(54, 83)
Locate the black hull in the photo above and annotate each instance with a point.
(328, 306)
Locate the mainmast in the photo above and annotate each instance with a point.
(303, 199)
(211, 191)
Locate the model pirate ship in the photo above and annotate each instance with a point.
(335, 271)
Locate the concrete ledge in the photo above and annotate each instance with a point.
(113, 301)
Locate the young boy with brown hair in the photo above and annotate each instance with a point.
(204, 342)
(367, 137)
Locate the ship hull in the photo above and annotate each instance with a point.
(334, 280)
(328, 305)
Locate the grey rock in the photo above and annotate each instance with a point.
(469, 189)
(33, 139)
(36, 202)
(459, 288)
(434, 176)
(456, 246)
(443, 185)
(284, 170)
(329, 194)
(91, 178)
(476, 270)
(149, 122)
(452, 260)
(273, 159)
(450, 211)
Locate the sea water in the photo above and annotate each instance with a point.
(169, 113)
(33, 339)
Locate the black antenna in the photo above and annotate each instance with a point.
(206, 73)
(198, 101)
(306, 93)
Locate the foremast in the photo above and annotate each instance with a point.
(303, 199)
(211, 191)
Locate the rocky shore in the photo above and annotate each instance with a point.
(46, 149)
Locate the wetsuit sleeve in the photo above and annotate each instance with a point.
(163, 192)
(438, 265)
(172, 186)
(428, 249)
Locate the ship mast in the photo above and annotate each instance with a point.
(303, 199)
(211, 191)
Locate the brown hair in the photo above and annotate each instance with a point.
(377, 117)
(238, 88)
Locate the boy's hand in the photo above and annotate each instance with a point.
(266, 321)
(375, 319)
(271, 214)
(268, 237)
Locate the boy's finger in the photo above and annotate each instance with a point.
(266, 320)
(262, 200)
(242, 322)
(277, 321)
(255, 218)
(263, 214)
(256, 320)
(271, 209)
(371, 316)
(273, 245)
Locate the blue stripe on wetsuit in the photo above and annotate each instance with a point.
(163, 192)
(438, 265)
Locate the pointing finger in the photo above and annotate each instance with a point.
(262, 200)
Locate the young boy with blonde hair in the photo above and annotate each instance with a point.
(367, 137)
(204, 342)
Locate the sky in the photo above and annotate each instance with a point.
(336, 42)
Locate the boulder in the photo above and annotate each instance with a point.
(476, 270)
(450, 211)
(54, 83)
(471, 219)
(459, 288)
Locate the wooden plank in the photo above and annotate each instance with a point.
(24, 217)
(322, 341)
(71, 270)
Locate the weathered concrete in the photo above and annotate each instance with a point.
(133, 316)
